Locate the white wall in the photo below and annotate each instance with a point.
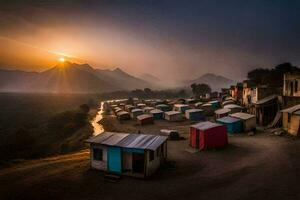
(101, 165)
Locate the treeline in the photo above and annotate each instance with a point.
(146, 94)
(271, 77)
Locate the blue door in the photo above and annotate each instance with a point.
(114, 159)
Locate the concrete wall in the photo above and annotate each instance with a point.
(249, 124)
(177, 117)
(294, 125)
(291, 127)
(291, 79)
(101, 165)
(152, 166)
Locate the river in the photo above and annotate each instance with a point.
(98, 128)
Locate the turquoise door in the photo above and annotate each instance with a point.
(114, 159)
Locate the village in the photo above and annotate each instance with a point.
(206, 123)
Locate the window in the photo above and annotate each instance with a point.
(289, 117)
(98, 154)
(296, 86)
(151, 156)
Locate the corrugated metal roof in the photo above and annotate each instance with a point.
(228, 101)
(125, 140)
(207, 104)
(230, 106)
(229, 98)
(241, 115)
(156, 111)
(162, 105)
(172, 112)
(292, 109)
(198, 104)
(99, 138)
(297, 112)
(228, 119)
(122, 113)
(136, 110)
(222, 111)
(181, 105)
(156, 143)
(205, 125)
(193, 110)
(144, 116)
(266, 100)
(114, 139)
(148, 108)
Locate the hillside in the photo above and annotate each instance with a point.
(216, 82)
(122, 79)
(69, 78)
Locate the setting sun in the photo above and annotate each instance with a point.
(61, 59)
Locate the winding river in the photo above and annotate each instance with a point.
(98, 128)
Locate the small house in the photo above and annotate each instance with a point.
(145, 119)
(208, 135)
(117, 110)
(173, 116)
(140, 105)
(291, 88)
(198, 104)
(163, 107)
(208, 109)
(227, 102)
(249, 121)
(123, 115)
(147, 109)
(215, 104)
(135, 155)
(171, 134)
(291, 120)
(233, 125)
(195, 114)
(181, 108)
(157, 114)
(136, 112)
(234, 108)
(223, 112)
(266, 110)
(129, 108)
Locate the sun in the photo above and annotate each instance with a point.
(62, 59)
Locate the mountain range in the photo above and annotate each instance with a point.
(216, 82)
(70, 77)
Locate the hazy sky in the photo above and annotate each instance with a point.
(172, 39)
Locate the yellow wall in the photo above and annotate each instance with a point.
(294, 125)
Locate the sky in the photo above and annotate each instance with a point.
(170, 39)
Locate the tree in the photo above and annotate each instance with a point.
(200, 89)
(271, 77)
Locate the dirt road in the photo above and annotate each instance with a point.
(252, 167)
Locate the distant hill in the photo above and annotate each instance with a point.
(69, 78)
(124, 80)
(216, 82)
(149, 78)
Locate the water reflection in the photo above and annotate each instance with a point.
(98, 128)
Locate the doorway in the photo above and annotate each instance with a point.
(138, 162)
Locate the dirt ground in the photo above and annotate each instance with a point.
(263, 166)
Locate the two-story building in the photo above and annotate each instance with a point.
(291, 89)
